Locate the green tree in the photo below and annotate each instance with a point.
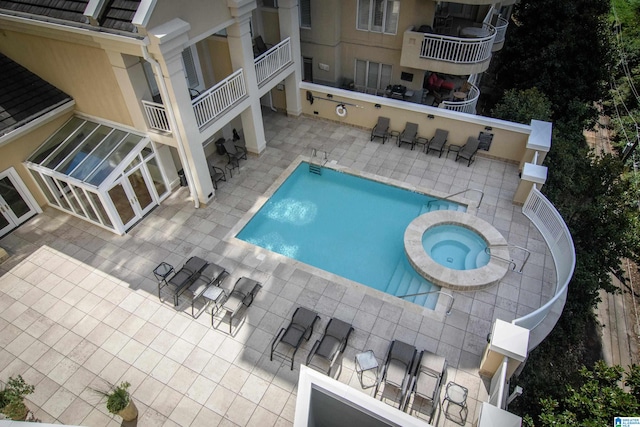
(560, 47)
(595, 402)
(521, 106)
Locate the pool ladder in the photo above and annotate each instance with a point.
(315, 163)
(460, 192)
(511, 262)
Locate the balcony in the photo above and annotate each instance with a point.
(212, 103)
(468, 53)
(273, 61)
(501, 31)
(466, 106)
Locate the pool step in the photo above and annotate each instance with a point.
(442, 205)
(403, 282)
(314, 168)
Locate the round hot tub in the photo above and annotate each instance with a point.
(455, 247)
(449, 249)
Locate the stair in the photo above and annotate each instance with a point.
(442, 205)
(405, 281)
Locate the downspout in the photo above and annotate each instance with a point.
(172, 121)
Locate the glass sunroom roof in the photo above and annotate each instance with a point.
(85, 150)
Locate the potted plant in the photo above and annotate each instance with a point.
(12, 398)
(119, 402)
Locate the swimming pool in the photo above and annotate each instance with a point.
(347, 225)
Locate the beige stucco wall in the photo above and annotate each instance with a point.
(507, 144)
(271, 26)
(83, 72)
(218, 50)
(202, 15)
(16, 152)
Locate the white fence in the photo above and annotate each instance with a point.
(457, 49)
(215, 100)
(156, 116)
(548, 221)
(498, 388)
(272, 61)
(466, 106)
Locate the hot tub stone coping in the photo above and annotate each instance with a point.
(459, 280)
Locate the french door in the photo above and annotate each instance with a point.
(133, 195)
(16, 203)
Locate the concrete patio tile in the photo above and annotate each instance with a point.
(76, 412)
(254, 388)
(97, 419)
(165, 370)
(78, 381)
(81, 352)
(216, 369)
(240, 410)
(131, 351)
(97, 361)
(166, 401)
(234, 379)
(220, 400)
(148, 390)
(148, 360)
(151, 418)
(275, 399)
(58, 402)
(201, 389)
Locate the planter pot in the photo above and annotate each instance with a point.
(130, 412)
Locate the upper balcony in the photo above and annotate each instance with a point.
(220, 98)
(465, 54)
(501, 25)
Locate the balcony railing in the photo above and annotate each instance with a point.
(501, 29)
(272, 61)
(215, 100)
(458, 49)
(466, 106)
(156, 116)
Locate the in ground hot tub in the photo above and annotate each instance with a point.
(448, 248)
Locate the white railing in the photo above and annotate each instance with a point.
(548, 221)
(215, 100)
(501, 29)
(269, 63)
(457, 49)
(466, 106)
(156, 116)
(498, 386)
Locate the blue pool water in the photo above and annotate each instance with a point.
(455, 247)
(347, 225)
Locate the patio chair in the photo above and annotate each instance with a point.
(333, 342)
(259, 46)
(300, 327)
(216, 173)
(212, 274)
(381, 129)
(428, 377)
(438, 141)
(235, 152)
(468, 150)
(396, 370)
(241, 295)
(408, 135)
(183, 278)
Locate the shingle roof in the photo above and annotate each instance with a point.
(67, 10)
(24, 96)
(117, 14)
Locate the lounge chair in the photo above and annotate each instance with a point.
(212, 274)
(438, 141)
(241, 295)
(381, 129)
(396, 370)
(301, 327)
(183, 278)
(235, 152)
(333, 342)
(428, 377)
(468, 150)
(408, 135)
(259, 46)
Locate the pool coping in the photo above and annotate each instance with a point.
(442, 305)
(458, 280)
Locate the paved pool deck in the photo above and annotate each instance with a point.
(79, 307)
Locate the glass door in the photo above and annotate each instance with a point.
(142, 194)
(122, 199)
(16, 204)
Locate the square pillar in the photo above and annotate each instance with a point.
(171, 38)
(289, 19)
(508, 340)
(241, 52)
(531, 174)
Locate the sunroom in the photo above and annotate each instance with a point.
(107, 175)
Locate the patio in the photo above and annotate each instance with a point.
(79, 305)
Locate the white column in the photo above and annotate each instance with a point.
(241, 52)
(289, 18)
(133, 85)
(171, 39)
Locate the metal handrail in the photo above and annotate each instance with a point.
(459, 192)
(451, 301)
(508, 245)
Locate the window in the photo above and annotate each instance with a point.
(372, 74)
(305, 13)
(307, 69)
(379, 16)
(270, 3)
